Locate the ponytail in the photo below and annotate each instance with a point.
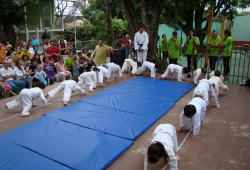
(156, 151)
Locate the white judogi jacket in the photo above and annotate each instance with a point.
(103, 73)
(128, 64)
(199, 116)
(174, 69)
(218, 84)
(212, 74)
(206, 90)
(113, 69)
(147, 65)
(166, 134)
(141, 38)
(198, 76)
(27, 97)
(90, 78)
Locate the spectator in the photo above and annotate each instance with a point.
(26, 62)
(69, 61)
(33, 67)
(227, 52)
(25, 52)
(46, 35)
(53, 52)
(126, 44)
(8, 74)
(35, 43)
(3, 50)
(164, 46)
(21, 73)
(63, 48)
(46, 45)
(63, 38)
(75, 67)
(8, 46)
(38, 58)
(174, 48)
(100, 52)
(48, 67)
(31, 48)
(62, 70)
(17, 52)
(214, 51)
(81, 62)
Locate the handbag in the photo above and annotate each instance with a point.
(7, 86)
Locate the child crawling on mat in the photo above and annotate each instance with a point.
(27, 98)
(175, 69)
(164, 146)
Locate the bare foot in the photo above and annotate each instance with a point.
(46, 96)
(25, 114)
(85, 93)
(91, 90)
(34, 105)
(122, 77)
(178, 158)
(218, 106)
(180, 130)
(101, 85)
(160, 78)
(65, 103)
(6, 107)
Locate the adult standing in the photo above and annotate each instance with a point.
(3, 50)
(35, 43)
(191, 44)
(164, 46)
(141, 44)
(53, 52)
(214, 51)
(100, 53)
(45, 35)
(174, 48)
(227, 52)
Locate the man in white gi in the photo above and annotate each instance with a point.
(163, 145)
(141, 44)
(27, 98)
(103, 74)
(128, 64)
(216, 79)
(195, 112)
(175, 69)
(205, 90)
(67, 86)
(200, 74)
(90, 78)
(147, 66)
(114, 69)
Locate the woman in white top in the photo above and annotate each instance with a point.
(21, 73)
(62, 71)
(31, 48)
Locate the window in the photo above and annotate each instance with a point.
(46, 16)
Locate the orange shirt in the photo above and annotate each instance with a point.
(2, 54)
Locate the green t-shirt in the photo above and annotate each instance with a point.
(68, 62)
(101, 53)
(228, 44)
(164, 45)
(214, 51)
(191, 45)
(175, 52)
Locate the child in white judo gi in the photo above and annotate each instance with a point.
(175, 69)
(205, 89)
(195, 112)
(114, 69)
(212, 74)
(90, 78)
(218, 83)
(27, 98)
(200, 74)
(102, 75)
(128, 64)
(68, 86)
(164, 146)
(147, 66)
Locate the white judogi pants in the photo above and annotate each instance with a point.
(89, 78)
(166, 134)
(128, 63)
(103, 73)
(142, 56)
(145, 66)
(114, 69)
(67, 92)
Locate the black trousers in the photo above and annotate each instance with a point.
(212, 62)
(226, 62)
(173, 60)
(164, 55)
(189, 59)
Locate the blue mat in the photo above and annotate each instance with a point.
(110, 121)
(15, 157)
(71, 145)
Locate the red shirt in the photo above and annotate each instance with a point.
(125, 42)
(51, 50)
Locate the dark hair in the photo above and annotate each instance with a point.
(186, 70)
(192, 31)
(139, 64)
(189, 110)
(217, 73)
(96, 69)
(44, 58)
(75, 78)
(88, 54)
(40, 85)
(17, 64)
(163, 35)
(174, 33)
(157, 65)
(141, 26)
(24, 56)
(156, 151)
(100, 39)
(204, 70)
(227, 32)
(33, 59)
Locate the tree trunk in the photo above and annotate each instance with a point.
(107, 6)
(131, 16)
(151, 11)
(8, 31)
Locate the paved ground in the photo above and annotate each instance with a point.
(223, 143)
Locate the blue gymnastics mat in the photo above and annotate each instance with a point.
(110, 121)
(68, 144)
(15, 157)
